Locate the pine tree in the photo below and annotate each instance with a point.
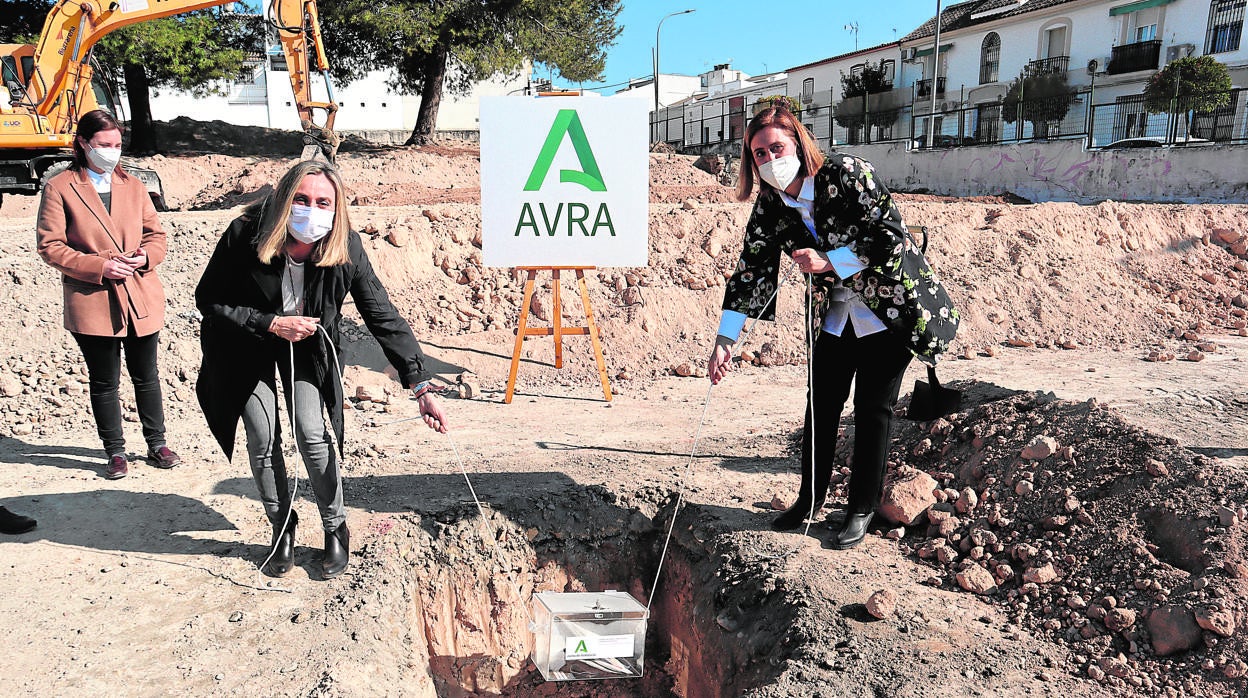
(423, 39)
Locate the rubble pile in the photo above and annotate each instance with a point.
(1109, 539)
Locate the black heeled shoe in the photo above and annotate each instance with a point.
(282, 559)
(793, 517)
(852, 531)
(337, 551)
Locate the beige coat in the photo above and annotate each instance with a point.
(77, 235)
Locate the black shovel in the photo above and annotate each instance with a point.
(930, 400)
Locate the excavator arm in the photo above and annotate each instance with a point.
(54, 94)
(305, 52)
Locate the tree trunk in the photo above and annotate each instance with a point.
(142, 132)
(433, 75)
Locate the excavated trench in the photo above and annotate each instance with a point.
(437, 605)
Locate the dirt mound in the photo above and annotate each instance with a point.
(1084, 529)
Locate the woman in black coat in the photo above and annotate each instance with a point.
(271, 296)
(839, 224)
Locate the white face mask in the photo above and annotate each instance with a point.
(781, 171)
(309, 224)
(103, 158)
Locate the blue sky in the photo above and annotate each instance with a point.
(756, 37)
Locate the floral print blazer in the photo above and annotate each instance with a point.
(852, 209)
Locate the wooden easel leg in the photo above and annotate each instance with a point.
(593, 335)
(521, 329)
(556, 320)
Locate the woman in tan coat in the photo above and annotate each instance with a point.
(98, 227)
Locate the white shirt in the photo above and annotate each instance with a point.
(846, 306)
(102, 181)
(292, 288)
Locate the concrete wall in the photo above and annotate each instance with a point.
(366, 104)
(1064, 171)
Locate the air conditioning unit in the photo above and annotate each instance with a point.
(907, 54)
(807, 98)
(949, 106)
(1174, 53)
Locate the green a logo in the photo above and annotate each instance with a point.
(581, 648)
(568, 123)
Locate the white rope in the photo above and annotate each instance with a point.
(498, 551)
(294, 491)
(290, 409)
(680, 496)
(810, 406)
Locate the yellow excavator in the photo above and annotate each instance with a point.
(47, 86)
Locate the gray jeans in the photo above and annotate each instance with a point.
(316, 445)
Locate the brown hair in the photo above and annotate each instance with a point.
(273, 212)
(780, 117)
(90, 124)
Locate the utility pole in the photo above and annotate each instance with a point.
(931, 126)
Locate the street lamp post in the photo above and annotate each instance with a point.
(656, 67)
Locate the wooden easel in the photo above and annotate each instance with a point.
(557, 329)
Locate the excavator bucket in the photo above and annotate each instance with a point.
(319, 143)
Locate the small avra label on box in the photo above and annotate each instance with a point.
(599, 647)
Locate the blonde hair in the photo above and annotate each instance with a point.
(783, 119)
(273, 212)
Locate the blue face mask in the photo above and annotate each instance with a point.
(308, 224)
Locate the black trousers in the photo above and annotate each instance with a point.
(875, 364)
(103, 357)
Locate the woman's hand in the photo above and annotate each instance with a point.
(118, 268)
(123, 267)
(720, 362)
(431, 410)
(137, 259)
(812, 261)
(293, 328)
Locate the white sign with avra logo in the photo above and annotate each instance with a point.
(564, 181)
(598, 647)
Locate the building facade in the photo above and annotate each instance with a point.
(262, 96)
(1097, 55)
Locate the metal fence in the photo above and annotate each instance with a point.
(1221, 118)
(884, 118)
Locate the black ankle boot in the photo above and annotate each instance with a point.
(852, 531)
(282, 548)
(793, 517)
(337, 551)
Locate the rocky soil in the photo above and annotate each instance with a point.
(1079, 527)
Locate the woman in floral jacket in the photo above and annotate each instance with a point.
(870, 316)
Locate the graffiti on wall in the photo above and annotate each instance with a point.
(1064, 171)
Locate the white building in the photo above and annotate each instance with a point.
(986, 44)
(263, 97)
(1106, 50)
(818, 88)
(672, 89)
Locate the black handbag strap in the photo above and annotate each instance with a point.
(911, 230)
(931, 378)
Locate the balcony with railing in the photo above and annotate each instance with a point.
(1046, 66)
(923, 88)
(1128, 58)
